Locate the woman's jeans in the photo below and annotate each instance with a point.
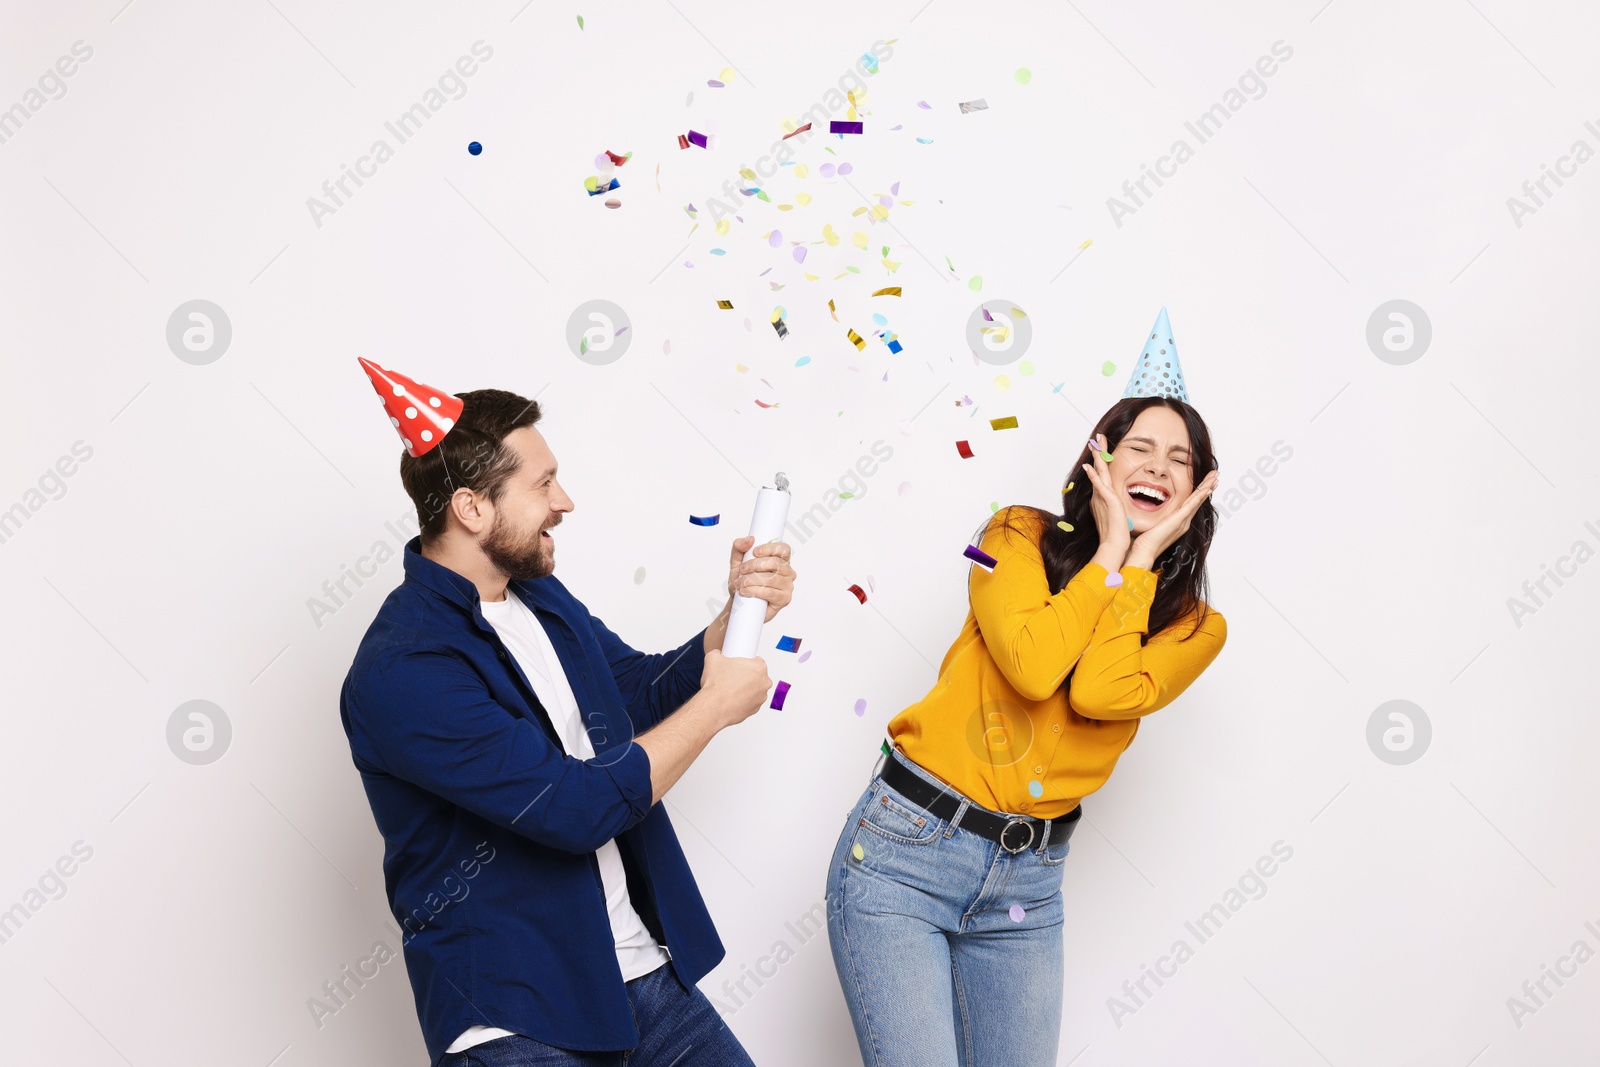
(948, 947)
(678, 1027)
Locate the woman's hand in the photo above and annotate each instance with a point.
(766, 575)
(1148, 546)
(1109, 513)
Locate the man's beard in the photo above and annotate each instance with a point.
(517, 560)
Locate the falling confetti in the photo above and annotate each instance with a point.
(844, 127)
(974, 105)
(789, 644)
(861, 594)
(706, 520)
(1007, 423)
(725, 305)
(780, 693)
(855, 850)
(893, 290)
(980, 557)
(1066, 526)
(1108, 368)
(580, 22)
(857, 340)
(475, 148)
(1017, 913)
(805, 656)
(975, 282)
(1113, 579)
(1024, 75)
(905, 487)
(861, 707)
(965, 449)
(638, 576)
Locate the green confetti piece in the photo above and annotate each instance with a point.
(1024, 75)
(846, 496)
(580, 22)
(885, 748)
(855, 850)
(949, 264)
(1105, 456)
(994, 506)
(975, 282)
(1108, 368)
(1025, 367)
(583, 346)
(1067, 526)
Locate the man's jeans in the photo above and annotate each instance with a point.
(678, 1027)
(947, 946)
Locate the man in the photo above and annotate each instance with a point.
(515, 750)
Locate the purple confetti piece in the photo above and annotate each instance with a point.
(697, 139)
(861, 707)
(844, 127)
(1113, 579)
(1017, 913)
(779, 695)
(924, 105)
(980, 557)
(805, 656)
(845, 168)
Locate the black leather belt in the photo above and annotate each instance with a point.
(1014, 833)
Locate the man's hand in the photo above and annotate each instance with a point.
(737, 686)
(766, 575)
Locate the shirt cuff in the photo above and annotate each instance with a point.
(631, 772)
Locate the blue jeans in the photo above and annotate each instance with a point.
(939, 966)
(678, 1027)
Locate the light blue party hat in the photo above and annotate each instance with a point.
(1158, 372)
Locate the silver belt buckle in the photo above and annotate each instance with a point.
(1007, 829)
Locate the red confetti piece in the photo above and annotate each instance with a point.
(965, 449)
(802, 129)
(861, 594)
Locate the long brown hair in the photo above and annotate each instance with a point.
(1182, 587)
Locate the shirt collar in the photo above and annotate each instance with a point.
(458, 588)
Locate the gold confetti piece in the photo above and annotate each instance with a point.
(727, 74)
(1067, 526)
(802, 199)
(1068, 489)
(831, 310)
(859, 239)
(856, 339)
(893, 290)
(1007, 423)
(1018, 313)
(740, 367)
(801, 170)
(879, 212)
(858, 211)
(1086, 244)
(723, 226)
(747, 174)
(815, 277)
(827, 234)
(855, 851)
(725, 305)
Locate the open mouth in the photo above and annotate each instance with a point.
(1147, 497)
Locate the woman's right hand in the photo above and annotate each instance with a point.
(1109, 513)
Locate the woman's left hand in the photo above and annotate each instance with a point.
(1148, 546)
(766, 575)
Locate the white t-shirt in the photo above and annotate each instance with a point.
(638, 952)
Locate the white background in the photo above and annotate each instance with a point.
(1375, 564)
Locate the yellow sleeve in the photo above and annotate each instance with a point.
(1119, 679)
(1032, 636)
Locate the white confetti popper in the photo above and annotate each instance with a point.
(749, 612)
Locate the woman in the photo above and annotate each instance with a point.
(945, 888)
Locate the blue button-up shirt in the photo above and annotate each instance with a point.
(490, 828)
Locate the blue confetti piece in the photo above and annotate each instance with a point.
(894, 346)
(706, 520)
(789, 644)
(475, 148)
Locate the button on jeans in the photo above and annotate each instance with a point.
(947, 946)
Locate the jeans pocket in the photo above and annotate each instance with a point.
(890, 815)
(1056, 854)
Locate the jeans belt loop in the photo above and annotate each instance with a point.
(1044, 844)
(955, 820)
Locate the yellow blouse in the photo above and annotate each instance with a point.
(998, 725)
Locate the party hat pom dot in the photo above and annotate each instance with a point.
(857, 853)
(1114, 579)
(1018, 912)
